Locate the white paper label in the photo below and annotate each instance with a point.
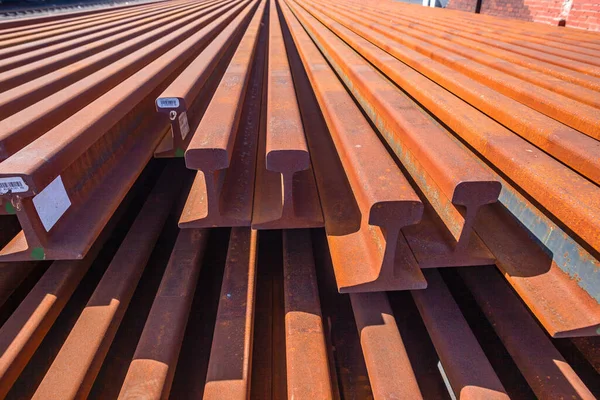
(167, 102)
(51, 203)
(184, 127)
(13, 185)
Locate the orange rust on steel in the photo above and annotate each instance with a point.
(462, 43)
(223, 146)
(308, 375)
(103, 18)
(373, 254)
(23, 332)
(557, 79)
(545, 370)
(29, 123)
(561, 306)
(566, 144)
(31, 65)
(153, 366)
(77, 364)
(63, 144)
(285, 190)
(390, 371)
(468, 370)
(175, 102)
(572, 113)
(15, 100)
(541, 176)
(580, 63)
(231, 352)
(443, 169)
(27, 43)
(27, 23)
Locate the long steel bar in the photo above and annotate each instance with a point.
(229, 368)
(153, 366)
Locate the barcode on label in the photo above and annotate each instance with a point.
(184, 126)
(13, 185)
(167, 102)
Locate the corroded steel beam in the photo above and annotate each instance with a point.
(373, 254)
(390, 370)
(444, 170)
(285, 191)
(230, 364)
(153, 366)
(176, 101)
(470, 377)
(527, 343)
(223, 146)
(76, 366)
(307, 366)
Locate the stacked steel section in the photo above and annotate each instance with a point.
(416, 141)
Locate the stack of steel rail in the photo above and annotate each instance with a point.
(380, 200)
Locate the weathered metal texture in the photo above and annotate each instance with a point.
(368, 250)
(589, 347)
(27, 326)
(390, 371)
(572, 84)
(64, 154)
(226, 198)
(468, 370)
(307, 362)
(76, 366)
(24, 43)
(444, 170)
(39, 118)
(545, 370)
(285, 193)
(151, 371)
(540, 176)
(223, 146)
(558, 284)
(30, 66)
(231, 352)
(175, 102)
(12, 275)
(573, 148)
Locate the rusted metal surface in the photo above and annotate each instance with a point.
(446, 172)
(285, 191)
(223, 146)
(231, 353)
(306, 351)
(175, 102)
(153, 366)
(75, 367)
(467, 368)
(368, 250)
(390, 371)
(546, 371)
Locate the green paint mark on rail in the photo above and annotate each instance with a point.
(38, 253)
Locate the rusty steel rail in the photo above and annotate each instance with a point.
(530, 348)
(390, 370)
(65, 153)
(165, 326)
(285, 189)
(469, 377)
(308, 374)
(230, 362)
(223, 146)
(175, 102)
(77, 364)
(372, 255)
(447, 173)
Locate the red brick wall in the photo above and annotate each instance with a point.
(582, 14)
(463, 5)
